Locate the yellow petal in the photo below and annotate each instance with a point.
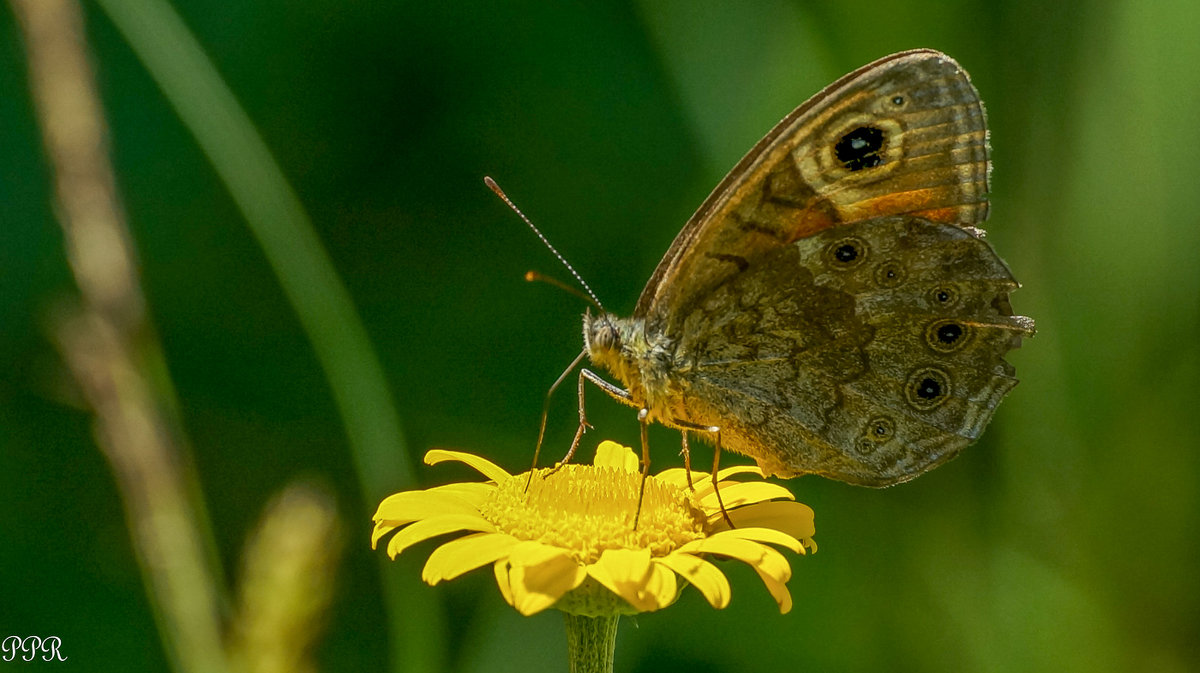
(381, 528)
(774, 564)
(624, 565)
(703, 480)
(707, 579)
(756, 554)
(400, 508)
(770, 565)
(677, 476)
(769, 535)
(486, 467)
(500, 568)
(661, 588)
(738, 469)
(625, 572)
(537, 587)
(465, 554)
(631, 574)
(612, 454)
(739, 493)
(778, 591)
(473, 492)
(427, 528)
(793, 518)
(531, 553)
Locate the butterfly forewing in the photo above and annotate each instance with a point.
(905, 134)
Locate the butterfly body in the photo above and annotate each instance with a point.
(832, 307)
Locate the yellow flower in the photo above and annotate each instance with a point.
(565, 538)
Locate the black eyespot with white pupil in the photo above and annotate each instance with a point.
(947, 336)
(860, 148)
(881, 428)
(949, 333)
(889, 274)
(897, 100)
(876, 432)
(945, 296)
(927, 388)
(846, 253)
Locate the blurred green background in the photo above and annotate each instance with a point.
(1065, 540)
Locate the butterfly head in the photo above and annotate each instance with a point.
(601, 337)
(614, 344)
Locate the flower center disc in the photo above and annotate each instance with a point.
(586, 510)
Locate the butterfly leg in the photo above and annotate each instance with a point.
(615, 392)
(684, 426)
(716, 489)
(687, 460)
(537, 449)
(583, 424)
(644, 423)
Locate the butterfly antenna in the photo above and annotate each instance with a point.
(536, 277)
(591, 296)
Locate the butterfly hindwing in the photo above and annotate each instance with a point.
(871, 368)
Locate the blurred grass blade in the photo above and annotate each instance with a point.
(242, 160)
(110, 348)
(277, 219)
(287, 583)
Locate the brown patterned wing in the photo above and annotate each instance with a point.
(903, 135)
(870, 368)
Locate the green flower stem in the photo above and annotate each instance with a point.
(591, 642)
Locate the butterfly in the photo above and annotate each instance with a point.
(832, 308)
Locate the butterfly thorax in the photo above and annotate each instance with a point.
(620, 345)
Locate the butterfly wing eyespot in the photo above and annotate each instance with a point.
(927, 388)
(881, 429)
(943, 297)
(846, 253)
(889, 274)
(860, 148)
(948, 336)
(877, 432)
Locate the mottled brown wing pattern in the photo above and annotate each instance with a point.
(831, 307)
(906, 134)
(870, 352)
